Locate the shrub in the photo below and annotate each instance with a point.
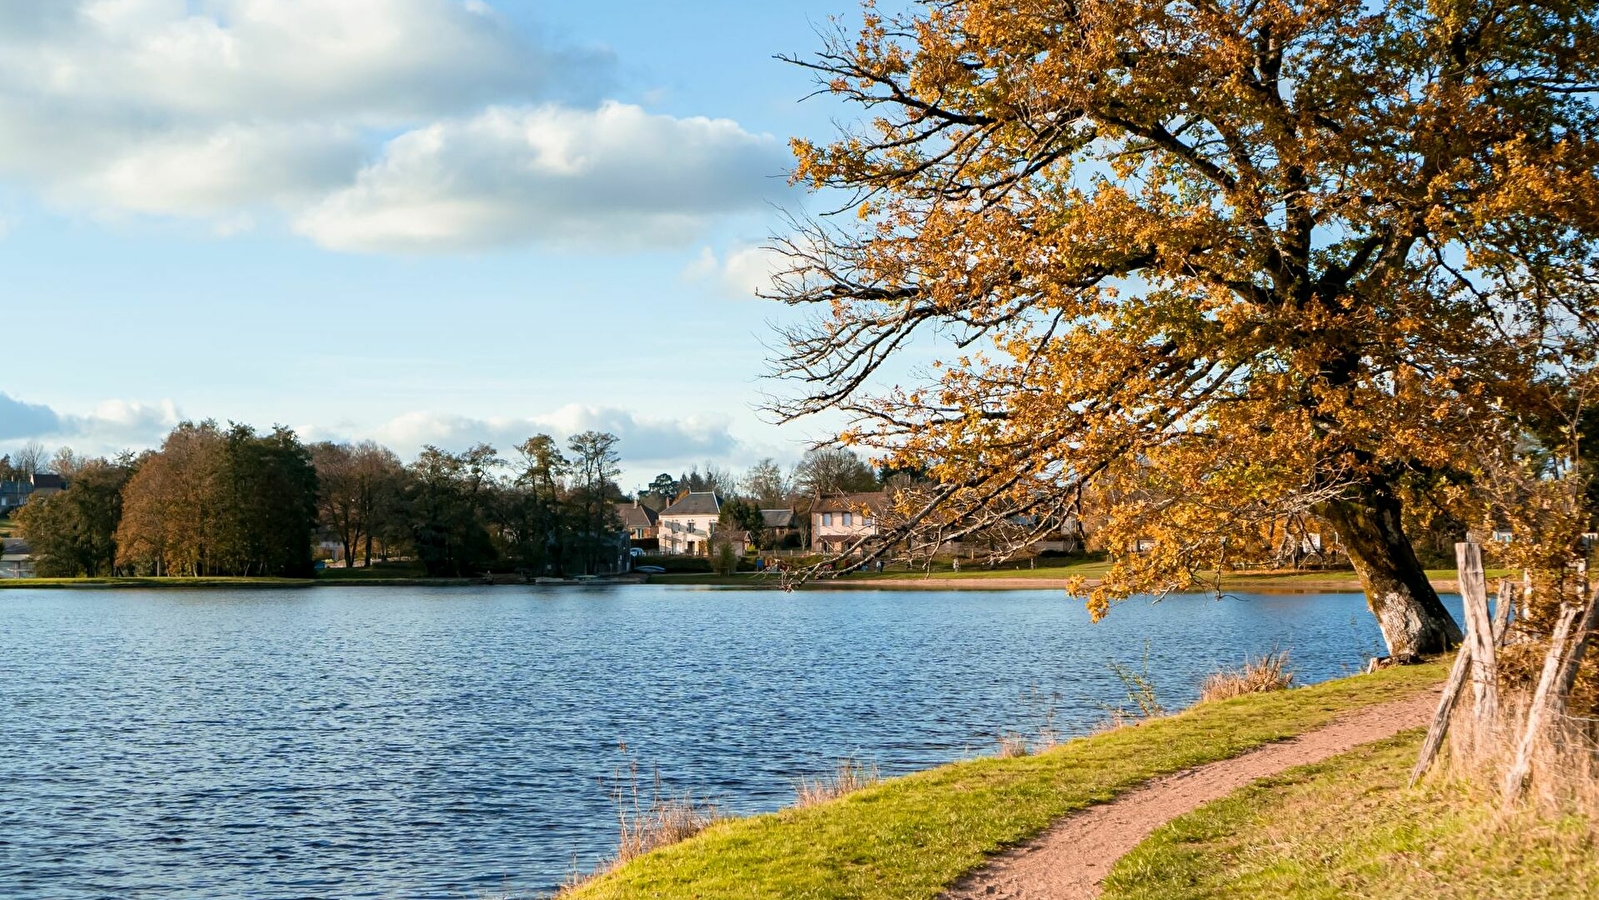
(724, 559)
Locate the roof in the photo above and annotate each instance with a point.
(866, 501)
(14, 547)
(48, 481)
(634, 515)
(695, 503)
(777, 518)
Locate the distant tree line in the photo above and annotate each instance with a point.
(231, 501)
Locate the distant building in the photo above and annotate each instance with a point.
(782, 528)
(16, 560)
(639, 520)
(686, 525)
(840, 521)
(13, 494)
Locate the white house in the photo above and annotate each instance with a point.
(839, 521)
(685, 527)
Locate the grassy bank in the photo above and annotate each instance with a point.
(907, 838)
(178, 583)
(1349, 827)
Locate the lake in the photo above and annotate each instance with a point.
(454, 743)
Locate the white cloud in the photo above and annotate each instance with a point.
(123, 423)
(112, 425)
(613, 175)
(379, 61)
(372, 125)
(644, 440)
(744, 271)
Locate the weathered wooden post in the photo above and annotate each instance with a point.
(1479, 636)
(1502, 607)
(1579, 646)
(1540, 710)
(1480, 639)
(1446, 708)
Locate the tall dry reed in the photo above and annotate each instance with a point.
(649, 820)
(850, 776)
(1257, 676)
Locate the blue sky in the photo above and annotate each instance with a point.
(412, 220)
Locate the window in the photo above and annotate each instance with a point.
(847, 518)
(866, 521)
(827, 519)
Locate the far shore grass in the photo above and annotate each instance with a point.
(908, 838)
(1048, 576)
(1040, 579)
(1349, 827)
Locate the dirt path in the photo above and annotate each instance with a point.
(1069, 861)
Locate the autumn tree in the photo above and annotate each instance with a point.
(216, 501)
(73, 533)
(338, 505)
(1228, 260)
(66, 463)
(356, 487)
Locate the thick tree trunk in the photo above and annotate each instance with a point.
(1412, 618)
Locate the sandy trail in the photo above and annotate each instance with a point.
(1069, 861)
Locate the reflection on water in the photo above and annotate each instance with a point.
(426, 743)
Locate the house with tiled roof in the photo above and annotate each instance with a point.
(685, 526)
(638, 520)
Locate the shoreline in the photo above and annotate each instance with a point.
(978, 808)
(1262, 583)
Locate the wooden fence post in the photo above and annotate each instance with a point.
(1446, 708)
(1502, 606)
(1516, 778)
(1476, 656)
(1579, 646)
(1479, 635)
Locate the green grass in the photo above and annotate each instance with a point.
(406, 569)
(907, 838)
(207, 582)
(1349, 827)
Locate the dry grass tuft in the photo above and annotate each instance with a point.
(1565, 766)
(1013, 744)
(850, 776)
(646, 820)
(665, 821)
(1267, 673)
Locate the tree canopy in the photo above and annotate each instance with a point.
(1217, 262)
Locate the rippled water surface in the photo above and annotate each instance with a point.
(426, 743)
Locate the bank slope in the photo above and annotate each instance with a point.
(908, 838)
(1349, 827)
